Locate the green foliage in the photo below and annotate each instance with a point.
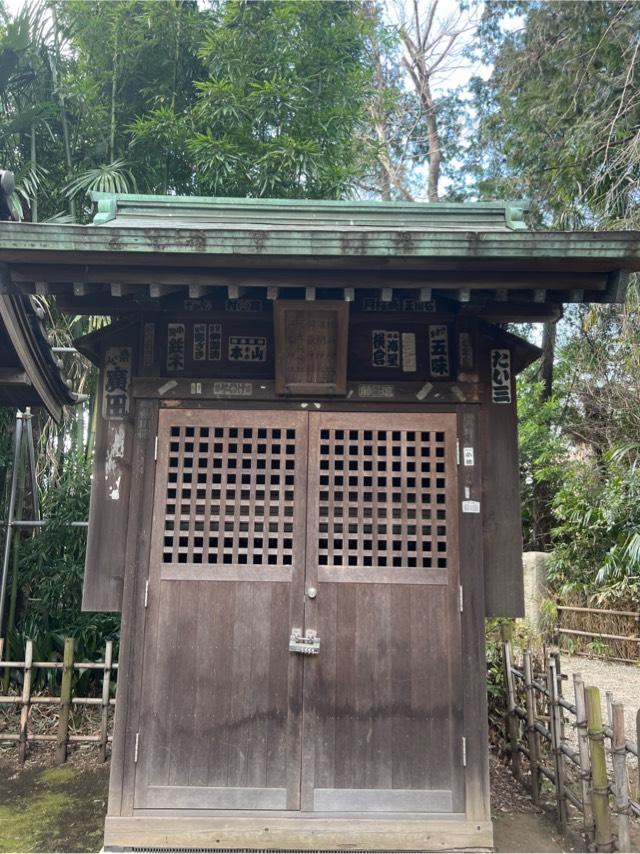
(285, 94)
(51, 572)
(560, 112)
(113, 177)
(542, 449)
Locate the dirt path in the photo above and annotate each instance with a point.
(623, 680)
(61, 809)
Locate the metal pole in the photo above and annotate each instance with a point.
(32, 465)
(17, 450)
(40, 523)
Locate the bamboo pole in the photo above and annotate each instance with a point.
(620, 781)
(583, 751)
(511, 717)
(599, 782)
(609, 699)
(65, 701)
(106, 682)
(556, 743)
(532, 735)
(26, 697)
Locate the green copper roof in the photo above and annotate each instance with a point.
(209, 212)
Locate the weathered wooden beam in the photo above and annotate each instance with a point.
(197, 291)
(120, 289)
(522, 312)
(188, 274)
(157, 291)
(13, 376)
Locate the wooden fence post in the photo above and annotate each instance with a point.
(583, 751)
(65, 701)
(532, 735)
(620, 782)
(106, 681)
(556, 743)
(26, 701)
(511, 719)
(600, 784)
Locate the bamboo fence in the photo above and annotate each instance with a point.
(63, 705)
(603, 632)
(594, 778)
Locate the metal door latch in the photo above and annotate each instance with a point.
(307, 644)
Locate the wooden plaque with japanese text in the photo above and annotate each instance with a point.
(311, 347)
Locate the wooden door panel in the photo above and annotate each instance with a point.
(220, 727)
(382, 730)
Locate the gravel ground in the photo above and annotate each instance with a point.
(623, 680)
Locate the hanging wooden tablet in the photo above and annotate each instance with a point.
(311, 347)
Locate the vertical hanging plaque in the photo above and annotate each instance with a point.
(439, 351)
(175, 347)
(501, 376)
(199, 342)
(215, 342)
(385, 349)
(148, 344)
(116, 382)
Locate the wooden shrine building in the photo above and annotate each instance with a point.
(305, 502)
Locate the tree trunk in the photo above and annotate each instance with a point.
(542, 515)
(34, 164)
(53, 62)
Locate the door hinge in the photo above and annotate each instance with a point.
(461, 598)
(135, 749)
(155, 450)
(146, 593)
(464, 752)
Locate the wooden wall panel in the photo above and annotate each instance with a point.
(502, 539)
(110, 486)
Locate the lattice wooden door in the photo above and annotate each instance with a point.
(221, 694)
(251, 509)
(383, 699)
